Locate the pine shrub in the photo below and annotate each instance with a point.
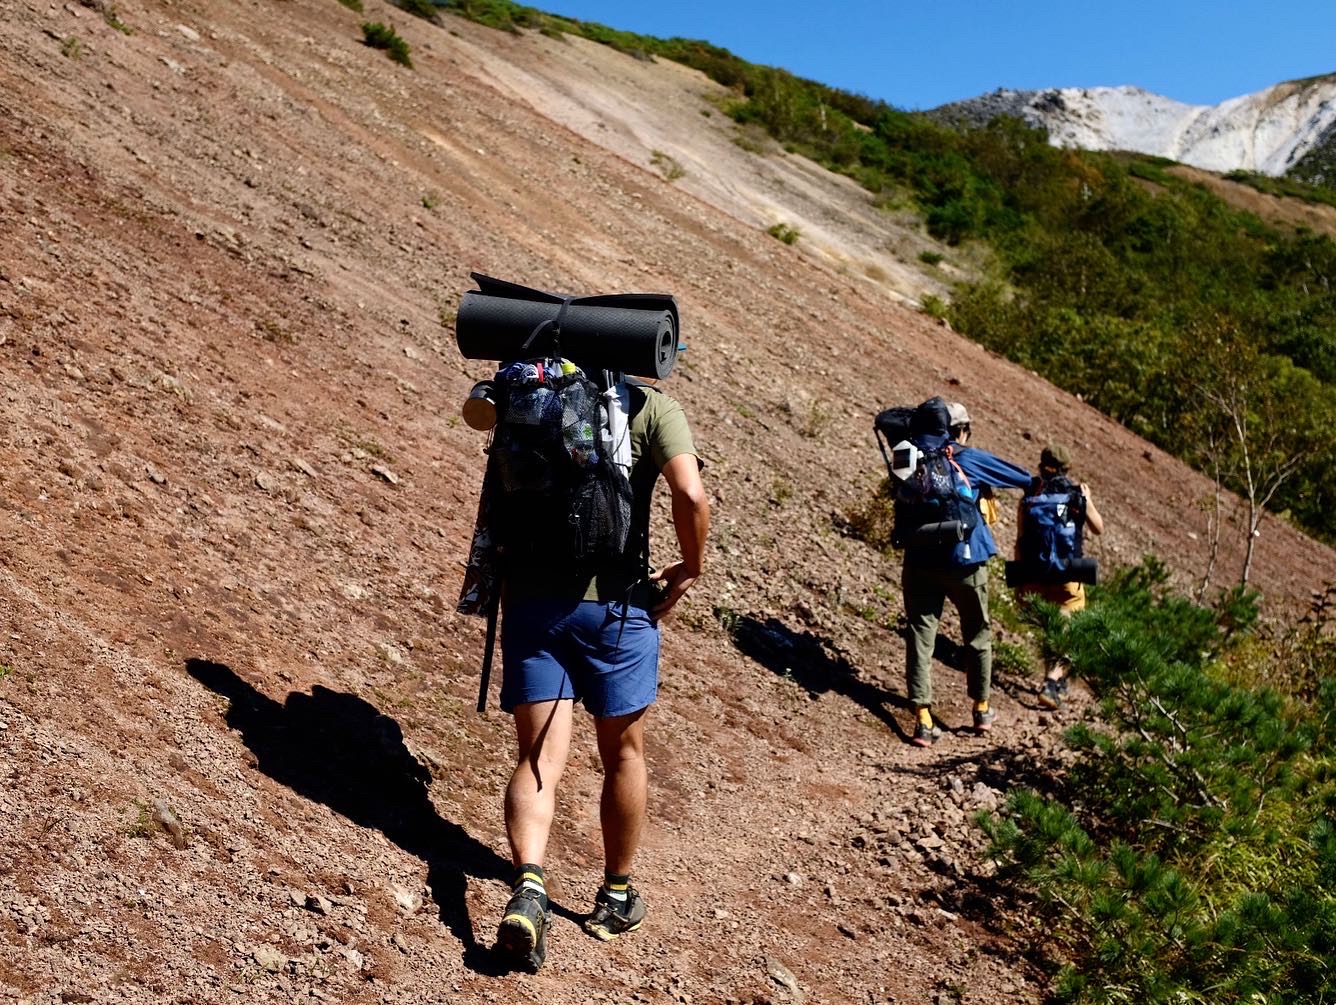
(380, 36)
(1199, 863)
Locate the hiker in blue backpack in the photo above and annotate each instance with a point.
(1050, 523)
(961, 431)
(946, 544)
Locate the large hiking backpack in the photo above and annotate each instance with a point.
(1052, 519)
(559, 496)
(935, 505)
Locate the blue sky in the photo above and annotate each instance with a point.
(924, 53)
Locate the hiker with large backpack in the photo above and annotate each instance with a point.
(945, 544)
(562, 548)
(1050, 562)
(961, 429)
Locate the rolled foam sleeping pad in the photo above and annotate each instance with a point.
(1079, 570)
(635, 333)
(893, 423)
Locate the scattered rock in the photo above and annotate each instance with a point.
(166, 819)
(783, 976)
(269, 958)
(381, 471)
(318, 904)
(408, 901)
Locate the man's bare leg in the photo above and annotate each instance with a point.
(621, 747)
(543, 739)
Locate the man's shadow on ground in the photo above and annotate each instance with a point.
(339, 750)
(814, 663)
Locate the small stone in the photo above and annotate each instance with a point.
(407, 900)
(269, 958)
(318, 904)
(381, 471)
(783, 976)
(266, 481)
(166, 819)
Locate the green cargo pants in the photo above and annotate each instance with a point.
(925, 588)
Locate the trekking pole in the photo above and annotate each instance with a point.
(488, 649)
(881, 445)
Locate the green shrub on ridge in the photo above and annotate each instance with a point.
(380, 36)
(1201, 863)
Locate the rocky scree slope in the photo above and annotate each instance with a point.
(238, 756)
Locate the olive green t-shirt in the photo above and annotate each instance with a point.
(659, 432)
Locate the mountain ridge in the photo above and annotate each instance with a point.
(1272, 131)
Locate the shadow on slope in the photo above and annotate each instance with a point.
(815, 663)
(339, 750)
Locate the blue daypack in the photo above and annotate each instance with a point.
(1053, 515)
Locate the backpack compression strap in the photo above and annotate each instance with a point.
(553, 325)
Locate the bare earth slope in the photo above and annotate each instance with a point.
(235, 493)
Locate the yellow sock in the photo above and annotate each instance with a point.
(925, 717)
(981, 706)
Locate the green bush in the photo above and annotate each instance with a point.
(1198, 863)
(112, 18)
(424, 9)
(784, 232)
(380, 36)
(667, 165)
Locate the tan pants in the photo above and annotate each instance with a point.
(1070, 597)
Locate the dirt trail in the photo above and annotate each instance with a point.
(235, 495)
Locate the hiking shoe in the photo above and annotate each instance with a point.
(522, 934)
(983, 721)
(611, 918)
(926, 736)
(1053, 692)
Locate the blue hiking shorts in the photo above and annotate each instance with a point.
(552, 649)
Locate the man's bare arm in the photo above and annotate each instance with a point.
(691, 521)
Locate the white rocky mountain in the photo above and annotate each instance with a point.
(1272, 131)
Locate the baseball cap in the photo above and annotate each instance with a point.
(959, 417)
(1055, 455)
